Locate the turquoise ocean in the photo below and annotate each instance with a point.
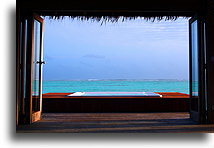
(93, 85)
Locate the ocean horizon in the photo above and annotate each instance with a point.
(116, 85)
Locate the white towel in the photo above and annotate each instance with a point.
(77, 94)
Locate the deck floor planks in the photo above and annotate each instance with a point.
(115, 123)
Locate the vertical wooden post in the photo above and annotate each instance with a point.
(29, 70)
(17, 64)
(23, 68)
(210, 59)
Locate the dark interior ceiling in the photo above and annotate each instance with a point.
(118, 7)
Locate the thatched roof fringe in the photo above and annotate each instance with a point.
(113, 19)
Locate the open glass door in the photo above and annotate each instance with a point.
(194, 88)
(37, 45)
(197, 71)
(31, 60)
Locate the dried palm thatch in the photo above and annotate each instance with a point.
(103, 18)
(116, 18)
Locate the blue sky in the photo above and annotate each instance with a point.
(134, 49)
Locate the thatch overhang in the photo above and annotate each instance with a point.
(115, 16)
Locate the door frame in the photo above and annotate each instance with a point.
(200, 115)
(31, 116)
(36, 115)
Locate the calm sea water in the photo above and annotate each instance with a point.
(116, 85)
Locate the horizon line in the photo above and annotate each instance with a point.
(118, 79)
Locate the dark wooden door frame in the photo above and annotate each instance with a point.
(36, 115)
(201, 114)
(29, 115)
(210, 59)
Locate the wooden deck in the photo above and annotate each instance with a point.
(61, 103)
(115, 123)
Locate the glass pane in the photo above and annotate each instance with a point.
(194, 58)
(205, 70)
(20, 70)
(36, 66)
(194, 81)
(25, 46)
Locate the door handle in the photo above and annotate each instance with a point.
(40, 62)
